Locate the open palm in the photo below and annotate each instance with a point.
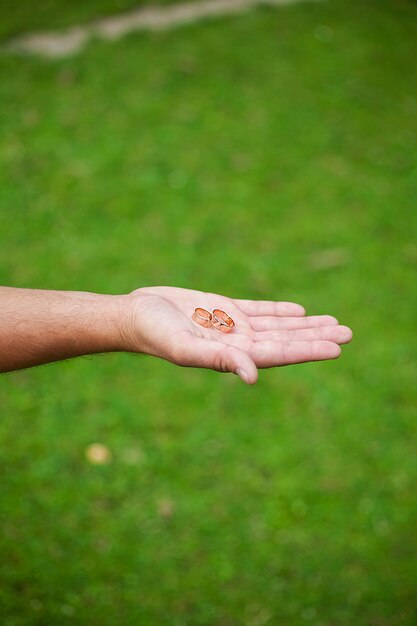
(266, 333)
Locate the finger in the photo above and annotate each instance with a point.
(267, 322)
(275, 354)
(337, 334)
(222, 357)
(267, 307)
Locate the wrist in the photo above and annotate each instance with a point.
(98, 321)
(127, 328)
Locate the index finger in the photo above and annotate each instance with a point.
(256, 308)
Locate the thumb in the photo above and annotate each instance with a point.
(239, 362)
(220, 357)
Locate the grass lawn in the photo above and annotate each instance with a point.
(20, 17)
(269, 155)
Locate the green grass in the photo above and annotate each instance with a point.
(244, 156)
(19, 17)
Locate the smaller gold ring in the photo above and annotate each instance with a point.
(222, 321)
(202, 317)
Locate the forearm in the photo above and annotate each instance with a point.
(40, 326)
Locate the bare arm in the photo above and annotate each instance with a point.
(40, 326)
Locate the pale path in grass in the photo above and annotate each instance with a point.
(55, 44)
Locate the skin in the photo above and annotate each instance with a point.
(40, 326)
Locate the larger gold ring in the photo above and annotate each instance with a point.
(202, 317)
(222, 321)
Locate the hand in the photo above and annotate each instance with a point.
(266, 334)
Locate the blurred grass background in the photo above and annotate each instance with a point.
(268, 155)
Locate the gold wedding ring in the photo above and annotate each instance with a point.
(202, 317)
(222, 321)
(218, 319)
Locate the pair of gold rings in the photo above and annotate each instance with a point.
(218, 319)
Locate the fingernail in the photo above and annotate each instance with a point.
(243, 375)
